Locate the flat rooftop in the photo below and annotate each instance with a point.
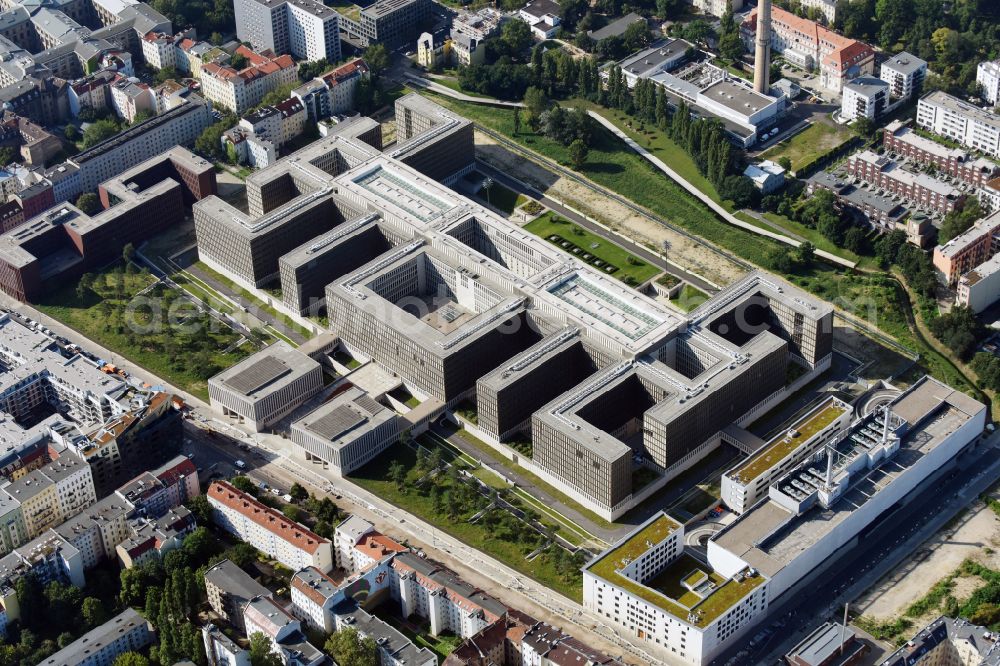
(265, 372)
(952, 103)
(345, 418)
(769, 537)
(654, 56)
(737, 96)
(669, 589)
(784, 443)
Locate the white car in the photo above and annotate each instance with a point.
(241, 464)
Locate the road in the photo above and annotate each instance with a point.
(269, 458)
(882, 547)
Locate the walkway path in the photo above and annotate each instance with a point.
(425, 84)
(705, 199)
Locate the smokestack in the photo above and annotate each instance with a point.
(762, 57)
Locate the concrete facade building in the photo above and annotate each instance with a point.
(864, 97)
(905, 74)
(959, 121)
(306, 29)
(988, 77)
(332, 93)
(126, 632)
(717, 7)
(948, 640)
(268, 530)
(266, 386)
(979, 288)
(957, 163)
(347, 431)
(389, 22)
(314, 595)
(969, 249)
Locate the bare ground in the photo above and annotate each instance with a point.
(975, 536)
(691, 255)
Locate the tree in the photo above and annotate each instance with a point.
(517, 121)
(209, 142)
(855, 240)
(959, 220)
(863, 127)
(71, 132)
(785, 163)
(298, 492)
(959, 330)
(202, 510)
(292, 512)
(397, 475)
(377, 58)
(238, 61)
(515, 37)
(260, 651)
(636, 36)
(99, 131)
(128, 252)
(165, 74)
(312, 69)
(243, 484)
(578, 153)
(93, 612)
(346, 646)
(740, 190)
(535, 103)
(131, 659)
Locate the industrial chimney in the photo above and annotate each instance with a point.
(762, 57)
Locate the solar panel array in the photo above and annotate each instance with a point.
(265, 371)
(336, 423)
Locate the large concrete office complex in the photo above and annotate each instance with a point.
(389, 22)
(460, 304)
(306, 29)
(267, 385)
(65, 242)
(691, 609)
(347, 431)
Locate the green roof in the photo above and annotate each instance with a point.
(782, 445)
(668, 581)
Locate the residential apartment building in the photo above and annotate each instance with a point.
(239, 91)
(314, 595)
(267, 530)
(959, 121)
(278, 124)
(130, 97)
(902, 140)
(191, 56)
(50, 495)
(126, 632)
(284, 632)
(229, 589)
(988, 78)
(13, 530)
(811, 46)
(864, 97)
(159, 50)
(966, 251)
(979, 288)
(222, 650)
(266, 386)
(306, 29)
(905, 74)
(718, 7)
(157, 491)
(881, 211)
(333, 93)
(918, 189)
(150, 539)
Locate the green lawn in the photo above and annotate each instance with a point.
(374, 478)
(236, 289)
(815, 140)
(441, 645)
(457, 87)
(591, 248)
(502, 197)
(163, 334)
(612, 165)
(689, 298)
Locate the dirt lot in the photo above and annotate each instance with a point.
(975, 535)
(693, 256)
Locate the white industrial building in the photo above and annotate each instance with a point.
(684, 608)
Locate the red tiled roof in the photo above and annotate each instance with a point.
(271, 520)
(377, 546)
(183, 468)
